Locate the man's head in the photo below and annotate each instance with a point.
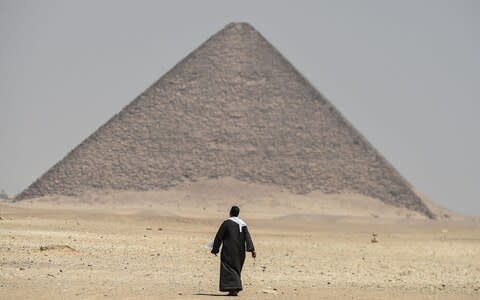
(234, 211)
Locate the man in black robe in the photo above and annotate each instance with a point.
(233, 233)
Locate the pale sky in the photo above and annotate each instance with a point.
(405, 73)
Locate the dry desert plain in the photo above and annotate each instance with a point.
(149, 245)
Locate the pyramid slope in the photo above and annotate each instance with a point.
(233, 107)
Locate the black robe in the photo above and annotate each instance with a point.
(235, 243)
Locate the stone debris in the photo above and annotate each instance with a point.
(270, 291)
(57, 247)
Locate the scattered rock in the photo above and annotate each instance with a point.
(270, 291)
(160, 228)
(57, 247)
(148, 228)
(374, 238)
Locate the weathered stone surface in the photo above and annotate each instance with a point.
(233, 107)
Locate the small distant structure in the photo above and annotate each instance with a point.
(374, 238)
(3, 195)
(444, 234)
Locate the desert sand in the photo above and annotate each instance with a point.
(130, 245)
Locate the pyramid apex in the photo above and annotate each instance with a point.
(240, 26)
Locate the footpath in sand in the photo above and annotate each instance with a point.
(145, 252)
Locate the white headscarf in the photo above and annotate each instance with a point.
(239, 221)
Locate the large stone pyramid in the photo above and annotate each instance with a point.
(233, 107)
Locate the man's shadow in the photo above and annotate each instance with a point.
(206, 294)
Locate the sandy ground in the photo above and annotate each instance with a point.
(117, 250)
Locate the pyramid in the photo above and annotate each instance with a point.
(233, 107)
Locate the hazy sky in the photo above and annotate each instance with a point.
(405, 73)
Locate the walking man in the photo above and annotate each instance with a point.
(233, 234)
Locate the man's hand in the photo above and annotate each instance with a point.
(213, 252)
(254, 254)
